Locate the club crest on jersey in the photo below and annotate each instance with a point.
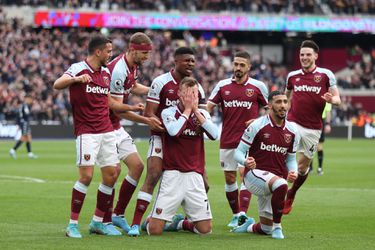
(317, 78)
(227, 92)
(159, 210)
(158, 150)
(288, 138)
(170, 91)
(249, 92)
(195, 120)
(87, 157)
(266, 135)
(106, 80)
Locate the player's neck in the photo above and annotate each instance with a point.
(309, 69)
(277, 120)
(178, 76)
(241, 80)
(129, 60)
(94, 64)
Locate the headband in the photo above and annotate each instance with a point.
(140, 46)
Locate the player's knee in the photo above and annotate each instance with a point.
(136, 170)
(280, 182)
(203, 230)
(154, 229)
(85, 179)
(118, 170)
(230, 178)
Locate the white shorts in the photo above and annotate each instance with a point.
(99, 149)
(309, 140)
(256, 181)
(227, 161)
(155, 147)
(181, 189)
(125, 144)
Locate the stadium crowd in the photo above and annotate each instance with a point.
(31, 59)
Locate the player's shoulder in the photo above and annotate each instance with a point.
(324, 71)
(118, 65)
(224, 82)
(294, 73)
(291, 126)
(77, 68)
(259, 123)
(259, 84)
(163, 79)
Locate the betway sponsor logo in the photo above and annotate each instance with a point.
(305, 88)
(237, 104)
(96, 90)
(273, 148)
(170, 103)
(189, 132)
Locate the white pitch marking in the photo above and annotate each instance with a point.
(23, 178)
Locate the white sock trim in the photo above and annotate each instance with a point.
(97, 218)
(131, 180)
(73, 221)
(105, 189)
(265, 228)
(250, 228)
(144, 196)
(80, 187)
(278, 183)
(231, 187)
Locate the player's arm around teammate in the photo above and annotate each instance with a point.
(88, 83)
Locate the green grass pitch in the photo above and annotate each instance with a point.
(333, 211)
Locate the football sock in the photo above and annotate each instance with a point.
(231, 192)
(257, 228)
(78, 196)
(297, 184)
(245, 197)
(186, 226)
(320, 158)
(108, 215)
(126, 192)
(103, 200)
(143, 201)
(17, 145)
(277, 201)
(28, 146)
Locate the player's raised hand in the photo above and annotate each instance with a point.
(155, 124)
(327, 97)
(138, 107)
(85, 78)
(292, 176)
(250, 163)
